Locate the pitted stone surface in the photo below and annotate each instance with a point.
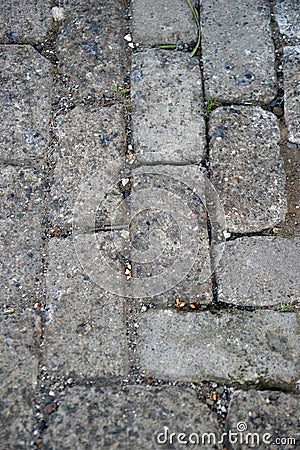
(85, 332)
(273, 415)
(228, 347)
(167, 107)
(135, 417)
(288, 17)
(20, 244)
(24, 21)
(167, 22)
(91, 46)
(25, 100)
(238, 52)
(91, 147)
(291, 65)
(260, 271)
(170, 245)
(19, 342)
(246, 167)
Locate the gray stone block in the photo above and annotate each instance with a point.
(21, 244)
(25, 102)
(19, 342)
(91, 46)
(238, 52)
(170, 245)
(246, 167)
(25, 21)
(167, 22)
(228, 347)
(88, 161)
(288, 17)
(135, 417)
(260, 271)
(85, 331)
(291, 65)
(167, 107)
(270, 419)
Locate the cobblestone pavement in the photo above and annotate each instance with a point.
(149, 224)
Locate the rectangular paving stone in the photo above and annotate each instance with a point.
(246, 167)
(134, 417)
(87, 164)
(167, 107)
(271, 417)
(20, 242)
(91, 44)
(291, 67)
(288, 17)
(24, 21)
(167, 22)
(19, 344)
(170, 246)
(259, 271)
(235, 346)
(25, 100)
(237, 50)
(85, 331)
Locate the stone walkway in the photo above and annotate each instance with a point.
(149, 224)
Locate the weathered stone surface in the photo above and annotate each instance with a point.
(136, 417)
(91, 46)
(229, 347)
(19, 341)
(20, 244)
(246, 167)
(170, 248)
(260, 271)
(238, 52)
(288, 17)
(85, 332)
(291, 64)
(168, 22)
(271, 418)
(88, 162)
(25, 100)
(24, 20)
(167, 126)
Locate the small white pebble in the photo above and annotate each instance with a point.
(131, 45)
(124, 181)
(128, 38)
(226, 234)
(58, 13)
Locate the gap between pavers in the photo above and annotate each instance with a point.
(228, 347)
(136, 417)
